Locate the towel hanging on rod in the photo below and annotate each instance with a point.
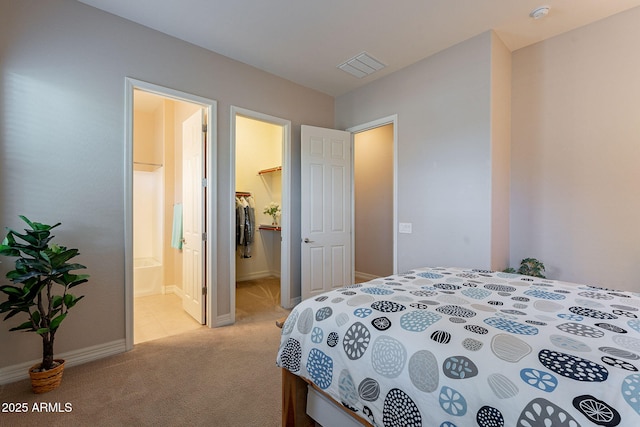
(176, 232)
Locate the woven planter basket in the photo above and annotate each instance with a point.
(42, 382)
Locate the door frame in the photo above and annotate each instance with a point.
(393, 119)
(285, 220)
(210, 262)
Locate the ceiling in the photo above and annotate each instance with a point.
(305, 41)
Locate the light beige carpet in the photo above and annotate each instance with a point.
(258, 299)
(208, 377)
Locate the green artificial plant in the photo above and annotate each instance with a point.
(40, 283)
(528, 267)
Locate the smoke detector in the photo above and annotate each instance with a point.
(540, 12)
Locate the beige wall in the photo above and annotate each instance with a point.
(62, 92)
(576, 151)
(148, 182)
(500, 152)
(146, 149)
(373, 201)
(445, 148)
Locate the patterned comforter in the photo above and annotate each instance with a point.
(457, 347)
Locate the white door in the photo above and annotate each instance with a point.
(326, 210)
(192, 216)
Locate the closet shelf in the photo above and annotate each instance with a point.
(275, 169)
(270, 227)
(148, 164)
(146, 167)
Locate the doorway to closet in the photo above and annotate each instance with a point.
(168, 203)
(261, 192)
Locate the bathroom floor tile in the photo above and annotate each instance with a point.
(159, 316)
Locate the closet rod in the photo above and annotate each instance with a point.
(242, 194)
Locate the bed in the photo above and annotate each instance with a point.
(449, 347)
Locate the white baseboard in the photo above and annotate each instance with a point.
(293, 302)
(19, 372)
(257, 275)
(174, 289)
(223, 320)
(168, 289)
(144, 294)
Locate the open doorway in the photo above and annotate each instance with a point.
(261, 181)
(375, 203)
(168, 162)
(157, 200)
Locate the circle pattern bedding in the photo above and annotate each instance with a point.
(453, 347)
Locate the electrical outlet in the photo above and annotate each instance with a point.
(404, 227)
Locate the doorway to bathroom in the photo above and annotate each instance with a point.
(262, 214)
(169, 214)
(158, 253)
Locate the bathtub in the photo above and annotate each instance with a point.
(147, 277)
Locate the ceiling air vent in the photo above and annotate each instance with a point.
(361, 65)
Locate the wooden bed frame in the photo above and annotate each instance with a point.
(294, 399)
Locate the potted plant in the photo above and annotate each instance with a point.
(39, 290)
(528, 267)
(273, 210)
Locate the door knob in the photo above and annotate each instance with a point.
(306, 240)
